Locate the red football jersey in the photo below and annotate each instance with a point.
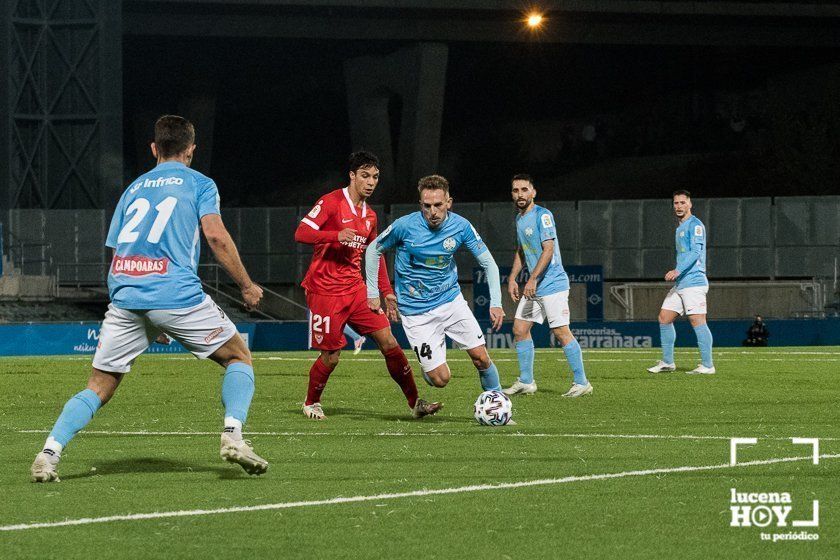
(336, 267)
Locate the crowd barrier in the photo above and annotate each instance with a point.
(45, 339)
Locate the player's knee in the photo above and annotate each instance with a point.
(481, 361)
(331, 358)
(438, 377)
(520, 331)
(564, 335)
(386, 342)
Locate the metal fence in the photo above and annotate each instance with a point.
(749, 238)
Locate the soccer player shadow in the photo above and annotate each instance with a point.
(141, 465)
(366, 414)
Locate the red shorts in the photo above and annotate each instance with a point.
(329, 314)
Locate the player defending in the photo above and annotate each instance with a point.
(341, 225)
(154, 289)
(688, 296)
(430, 300)
(545, 295)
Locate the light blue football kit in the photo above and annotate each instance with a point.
(153, 286)
(532, 229)
(426, 280)
(155, 233)
(536, 226)
(686, 297)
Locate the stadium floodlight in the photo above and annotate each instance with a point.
(534, 20)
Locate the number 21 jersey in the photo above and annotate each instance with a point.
(155, 233)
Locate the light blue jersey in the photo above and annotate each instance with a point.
(536, 226)
(155, 233)
(691, 254)
(425, 274)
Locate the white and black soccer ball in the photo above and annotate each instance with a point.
(493, 408)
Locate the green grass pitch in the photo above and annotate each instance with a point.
(443, 487)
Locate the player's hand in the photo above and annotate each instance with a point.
(163, 338)
(530, 289)
(251, 295)
(513, 289)
(346, 235)
(391, 309)
(671, 275)
(496, 316)
(375, 305)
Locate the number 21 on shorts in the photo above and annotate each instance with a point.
(321, 324)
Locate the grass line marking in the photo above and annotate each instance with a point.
(484, 433)
(398, 495)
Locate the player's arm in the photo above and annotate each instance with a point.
(224, 249)
(310, 232)
(515, 269)
(479, 250)
(530, 289)
(548, 238)
(376, 273)
(696, 242)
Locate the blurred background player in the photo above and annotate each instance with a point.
(340, 226)
(431, 305)
(154, 289)
(688, 296)
(545, 295)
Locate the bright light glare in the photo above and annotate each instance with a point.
(534, 20)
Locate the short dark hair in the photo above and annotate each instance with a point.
(522, 177)
(681, 192)
(432, 183)
(361, 159)
(173, 135)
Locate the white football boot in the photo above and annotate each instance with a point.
(579, 390)
(241, 453)
(44, 468)
(358, 345)
(702, 369)
(519, 388)
(662, 366)
(314, 411)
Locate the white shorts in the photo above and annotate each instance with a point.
(425, 332)
(687, 301)
(127, 334)
(554, 307)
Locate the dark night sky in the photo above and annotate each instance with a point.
(282, 133)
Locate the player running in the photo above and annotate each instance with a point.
(341, 225)
(430, 301)
(688, 296)
(545, 295)
(154, 289)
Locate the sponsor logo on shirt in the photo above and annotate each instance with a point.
(139, 265)
(156, 183)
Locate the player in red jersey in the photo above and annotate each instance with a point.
(341, 226)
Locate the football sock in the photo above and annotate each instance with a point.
(525, 353)
(667, 337)
(233, 428)
(351, 334)
(401, 372)
(490, 378)
(237, 390)
(704, 342)
(318, 376)
(575, 358)
(76, 414)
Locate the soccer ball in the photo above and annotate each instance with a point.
(493, 408)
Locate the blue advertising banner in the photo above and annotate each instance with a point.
(52, 339)
(42, 339)
(591, 275)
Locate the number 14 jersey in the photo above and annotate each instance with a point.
(155, 233)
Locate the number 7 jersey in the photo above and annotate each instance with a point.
(155, 234)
